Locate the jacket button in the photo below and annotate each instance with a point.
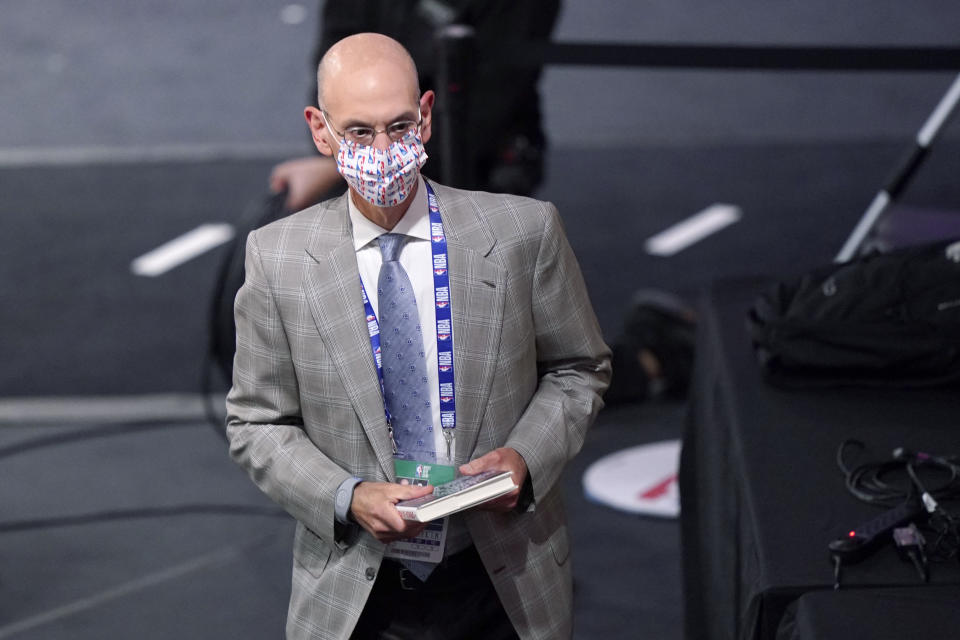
(371, 573)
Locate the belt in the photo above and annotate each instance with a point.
(459, 567)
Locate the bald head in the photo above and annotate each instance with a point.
(356, 58)
(366, 81)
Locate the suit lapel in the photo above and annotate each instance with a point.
(477, 295)
(332, 289)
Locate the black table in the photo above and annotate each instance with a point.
(926, 613)
(760, 490)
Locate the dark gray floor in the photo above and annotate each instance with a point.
(627, 581)
(82, 323)
(86, 325)
(204, 574)
(190, 576)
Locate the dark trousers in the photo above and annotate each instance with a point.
(457, 602)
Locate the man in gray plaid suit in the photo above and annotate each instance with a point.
(306, 415)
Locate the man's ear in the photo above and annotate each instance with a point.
(318, 130)
(426, 112)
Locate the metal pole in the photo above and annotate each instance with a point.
(907, 169)
(455, 46)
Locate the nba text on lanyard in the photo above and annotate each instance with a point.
(441, 299)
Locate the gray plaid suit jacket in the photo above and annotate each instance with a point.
(305, 411)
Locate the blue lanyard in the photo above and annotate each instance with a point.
(441, 300)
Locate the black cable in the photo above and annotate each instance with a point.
(221, 335)
(892, 482)
(141, 513)
(945, 544)
(118, 514)
(86, 434)
(866, 481)
(214, 420)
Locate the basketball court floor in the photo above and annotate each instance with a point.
(123, 128)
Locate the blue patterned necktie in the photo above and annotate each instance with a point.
(404, 367)
(404, 361)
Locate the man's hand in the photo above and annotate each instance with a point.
(373, 509)
(502, 459)
(306, 180)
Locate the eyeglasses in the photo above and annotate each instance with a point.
(366, 135)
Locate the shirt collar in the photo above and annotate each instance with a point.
(415, 222)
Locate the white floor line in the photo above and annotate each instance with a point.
(67, 410)
(80, 605)
(20, 157)
(693, 229)
(179, 250)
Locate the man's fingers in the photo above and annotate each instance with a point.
(391, 527)
(506, 502)
(484, 462)
(411, 491)
(502, 459)
(374, 508)
(277, 183)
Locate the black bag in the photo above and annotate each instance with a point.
(889, 319)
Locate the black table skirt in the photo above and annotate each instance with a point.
(760, 490)
(927, 613)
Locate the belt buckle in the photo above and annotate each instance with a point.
(406, 574)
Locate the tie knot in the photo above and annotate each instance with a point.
(390, 244)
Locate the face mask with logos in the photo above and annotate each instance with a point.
(382, 177)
